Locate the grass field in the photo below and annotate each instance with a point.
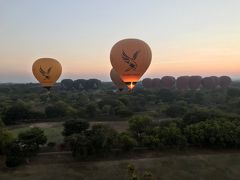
(194, 165)
(165, 167)
(53, 130)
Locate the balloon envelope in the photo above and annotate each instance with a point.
(195, 82)
(117, 80)
(47, 71)
(225, 81)
(147, 83)
(215, 81)
(168, 82)
(182, 82)
(130, 58)
(208, 83)
(156, 83)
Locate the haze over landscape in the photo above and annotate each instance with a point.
(186, 37)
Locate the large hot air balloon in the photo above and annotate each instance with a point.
(168, 82)
(182, 83)
(225, 81)
(195, 82)
(130, 58)
(156, 83)
(147, 83)
(117, 80)
(208, 83)
(47, 71)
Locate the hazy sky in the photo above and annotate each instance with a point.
(187, 37)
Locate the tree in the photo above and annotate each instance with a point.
(82, 99)
(16, 112)
(103, 139)
(97, 141)
(175, 110)
(75, 127)
(5, 138)
(167, 95)
(123, 111)
(80, 145)
(139, 126)
(172, 136)
(31, 140)
(1, 123)
(214, 133)
(126, 142)
(14, 154)
(91, 110)
(59, 109)
(200, 114)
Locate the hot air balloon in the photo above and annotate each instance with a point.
(224, 81)
(79, 84)
(182, 83)
(195, 82)
(130, 58)
(215, 81)
(156, 83)
(168, 82)
(47, 71)
(147, 83)
(117, 80)
(208, 83)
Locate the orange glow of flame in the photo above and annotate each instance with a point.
(131, 86)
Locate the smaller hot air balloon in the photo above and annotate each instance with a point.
(130, 58)
(208, 83)
(47, 71)
(156, 83)
(215, 81)
(195, 82)
(182, 83)
(225, 81)
(117, 80)
(168, 82)
(147, 83)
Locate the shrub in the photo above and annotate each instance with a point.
(16, 113)
(126, 142)
(14, 154)
(214, 133)
(5, 139)
(74, 127)
(175, 110)
(151, 142)
(171, 136)
(139, 126)
(31, 140)
(201, 114)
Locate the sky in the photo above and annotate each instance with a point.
(187, 37)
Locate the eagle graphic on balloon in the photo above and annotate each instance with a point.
(130, 60)
(45, 74)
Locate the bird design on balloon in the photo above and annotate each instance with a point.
(130, 60)
(45, 74)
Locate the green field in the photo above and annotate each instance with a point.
(53, 130)
(175, 165)
(164, 167)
